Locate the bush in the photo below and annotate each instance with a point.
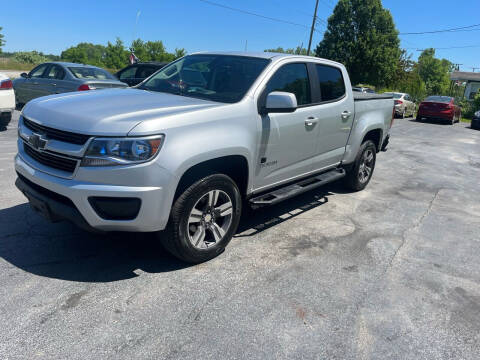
(30, 57)
(467, 107)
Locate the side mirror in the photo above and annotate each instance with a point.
(24, 75)
(280, 102)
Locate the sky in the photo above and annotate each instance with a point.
(198, 25)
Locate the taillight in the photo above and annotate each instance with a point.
(84, 87)
(397, 102)
(393, 116)
(6, 84)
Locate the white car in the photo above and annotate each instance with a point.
(7, 100)
(404, 104)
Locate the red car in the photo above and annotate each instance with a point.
(441, 108)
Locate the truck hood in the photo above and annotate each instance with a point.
(112, 112)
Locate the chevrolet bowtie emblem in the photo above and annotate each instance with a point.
(37, 141)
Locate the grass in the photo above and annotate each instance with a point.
(10, 64)
(465, 120)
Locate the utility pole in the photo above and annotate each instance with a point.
(474, 68)
(313, 28)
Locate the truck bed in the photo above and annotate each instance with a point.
(358, 96)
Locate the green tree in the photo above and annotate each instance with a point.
(434, 72)
(179, 52)
(85, 53)
(2, 41)
(154, 51)
(297, 51)
(116, 56)
(361, 34)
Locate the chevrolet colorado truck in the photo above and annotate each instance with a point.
(185, 150)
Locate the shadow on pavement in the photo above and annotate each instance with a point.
(431, 121)
(62, 251)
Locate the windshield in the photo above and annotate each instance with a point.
(441, 99)
(91, 73)
(222, 78)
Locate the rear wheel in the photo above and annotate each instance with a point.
(359, 175)
(203, 219)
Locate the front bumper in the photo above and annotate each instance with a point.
(155, 200)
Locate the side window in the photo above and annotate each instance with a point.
(407, 97)
(38, 71)
(55, 72)
(145, 71)
(128, 73)
(292, 78)
(332, 86)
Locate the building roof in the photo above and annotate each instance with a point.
(465, 76)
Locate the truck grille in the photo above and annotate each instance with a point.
(61, 135)
(53, 161)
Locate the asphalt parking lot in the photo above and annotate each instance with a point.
(388, 273)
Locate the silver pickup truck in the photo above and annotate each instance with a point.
(185, 150)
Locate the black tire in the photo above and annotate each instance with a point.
(352, 179)
(177, 238)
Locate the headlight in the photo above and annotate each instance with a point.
(121, 151)
(477, 114)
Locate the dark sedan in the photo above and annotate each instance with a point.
(60, 77)
(136, 73)
(442, 108)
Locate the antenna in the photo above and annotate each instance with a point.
(246, 45)
(139, 12)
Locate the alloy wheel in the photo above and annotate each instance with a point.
(210, 219)
(366, 166)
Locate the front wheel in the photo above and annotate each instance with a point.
(203, 219)
(359, 175)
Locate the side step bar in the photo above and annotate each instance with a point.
(298, 188)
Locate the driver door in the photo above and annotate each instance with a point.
(287, 140)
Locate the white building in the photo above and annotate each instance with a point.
(472, 80)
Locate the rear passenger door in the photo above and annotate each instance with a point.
(54, 80)
(335, 114)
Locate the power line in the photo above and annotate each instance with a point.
(254, 14)
(444, 30)
(446, 48)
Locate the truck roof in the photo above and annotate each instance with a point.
(265, 55)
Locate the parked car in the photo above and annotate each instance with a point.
(444, 108)
(404, 104)
(363, 89)
(475, 124)
(61, 77)
(7, 100)
(204, 137)
(136, 73)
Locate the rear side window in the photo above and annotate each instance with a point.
(145, 71)
(332, 86)
(91, 73)
(128, 73)
(55, 72)
(292, 78)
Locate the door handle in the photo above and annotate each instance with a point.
(54, 84)
(311, 121)
(35, 83)
(346, 114)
